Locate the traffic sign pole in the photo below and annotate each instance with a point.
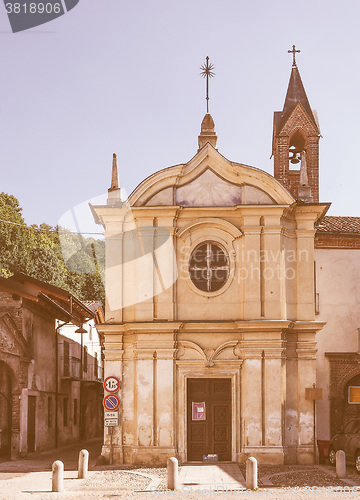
(111, 404)
(111, 446)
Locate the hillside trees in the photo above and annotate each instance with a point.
(51, 254)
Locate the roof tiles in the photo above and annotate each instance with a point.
(339, 224)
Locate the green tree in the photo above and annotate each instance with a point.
(53, 255)
(16, 239)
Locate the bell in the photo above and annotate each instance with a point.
(294, 159)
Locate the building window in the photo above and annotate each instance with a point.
(85, 361)
(96, 367)
(66, 412)
(50, 417)
(75, 411)
(209, 267)
(66, 359)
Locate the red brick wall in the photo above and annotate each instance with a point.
(298, 121)
(337, 240)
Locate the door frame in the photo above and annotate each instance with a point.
(228, 370)
(6, 396)
(32, 399)
(209, 422)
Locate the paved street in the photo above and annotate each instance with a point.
(227, 476)
(31, 478)
(44, 461)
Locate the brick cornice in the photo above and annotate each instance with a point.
(337, 240)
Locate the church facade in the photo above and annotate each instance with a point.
(212, 305)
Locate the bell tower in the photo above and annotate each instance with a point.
(296, 131)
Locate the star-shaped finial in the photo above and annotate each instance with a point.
(207, 72)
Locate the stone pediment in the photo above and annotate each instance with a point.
(210, 190)
(11, 339)
(209, 179)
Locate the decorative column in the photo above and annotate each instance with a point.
(251, 402)
(306, 354)
(113, 366)
(291, 425)
(164, 401)
(273, 394)
(114, 268)
(129, 403)
(250, 268)
(262, 393)
(273, 269)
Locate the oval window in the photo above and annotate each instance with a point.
(209, 267)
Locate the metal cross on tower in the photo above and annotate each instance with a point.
(207, 72)
(293, 52)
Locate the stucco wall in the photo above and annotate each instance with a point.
(338, 286)
(41, 380)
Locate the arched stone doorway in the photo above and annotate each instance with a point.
(5, 411)
(344, 373)
(351, 408)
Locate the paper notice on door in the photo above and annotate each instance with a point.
(198, 411)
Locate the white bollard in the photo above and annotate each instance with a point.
(172, 474)
(83, 464)
(58, 476)
(251, 474)
(340, 458)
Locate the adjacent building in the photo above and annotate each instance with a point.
(50, 367)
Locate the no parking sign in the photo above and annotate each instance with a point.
(111, 402)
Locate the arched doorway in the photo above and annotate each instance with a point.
(5, 411)
(351, 408)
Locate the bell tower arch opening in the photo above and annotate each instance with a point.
(296, 146)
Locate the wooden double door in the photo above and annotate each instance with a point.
(208, 418)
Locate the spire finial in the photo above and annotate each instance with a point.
(207, 133)
(114, 174)
(293, 52)
(114, 192)
(207, 72)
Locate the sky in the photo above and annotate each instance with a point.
(114, 76)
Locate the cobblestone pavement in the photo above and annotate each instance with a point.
(110, 482)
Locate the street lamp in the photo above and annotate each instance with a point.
(82, 331)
